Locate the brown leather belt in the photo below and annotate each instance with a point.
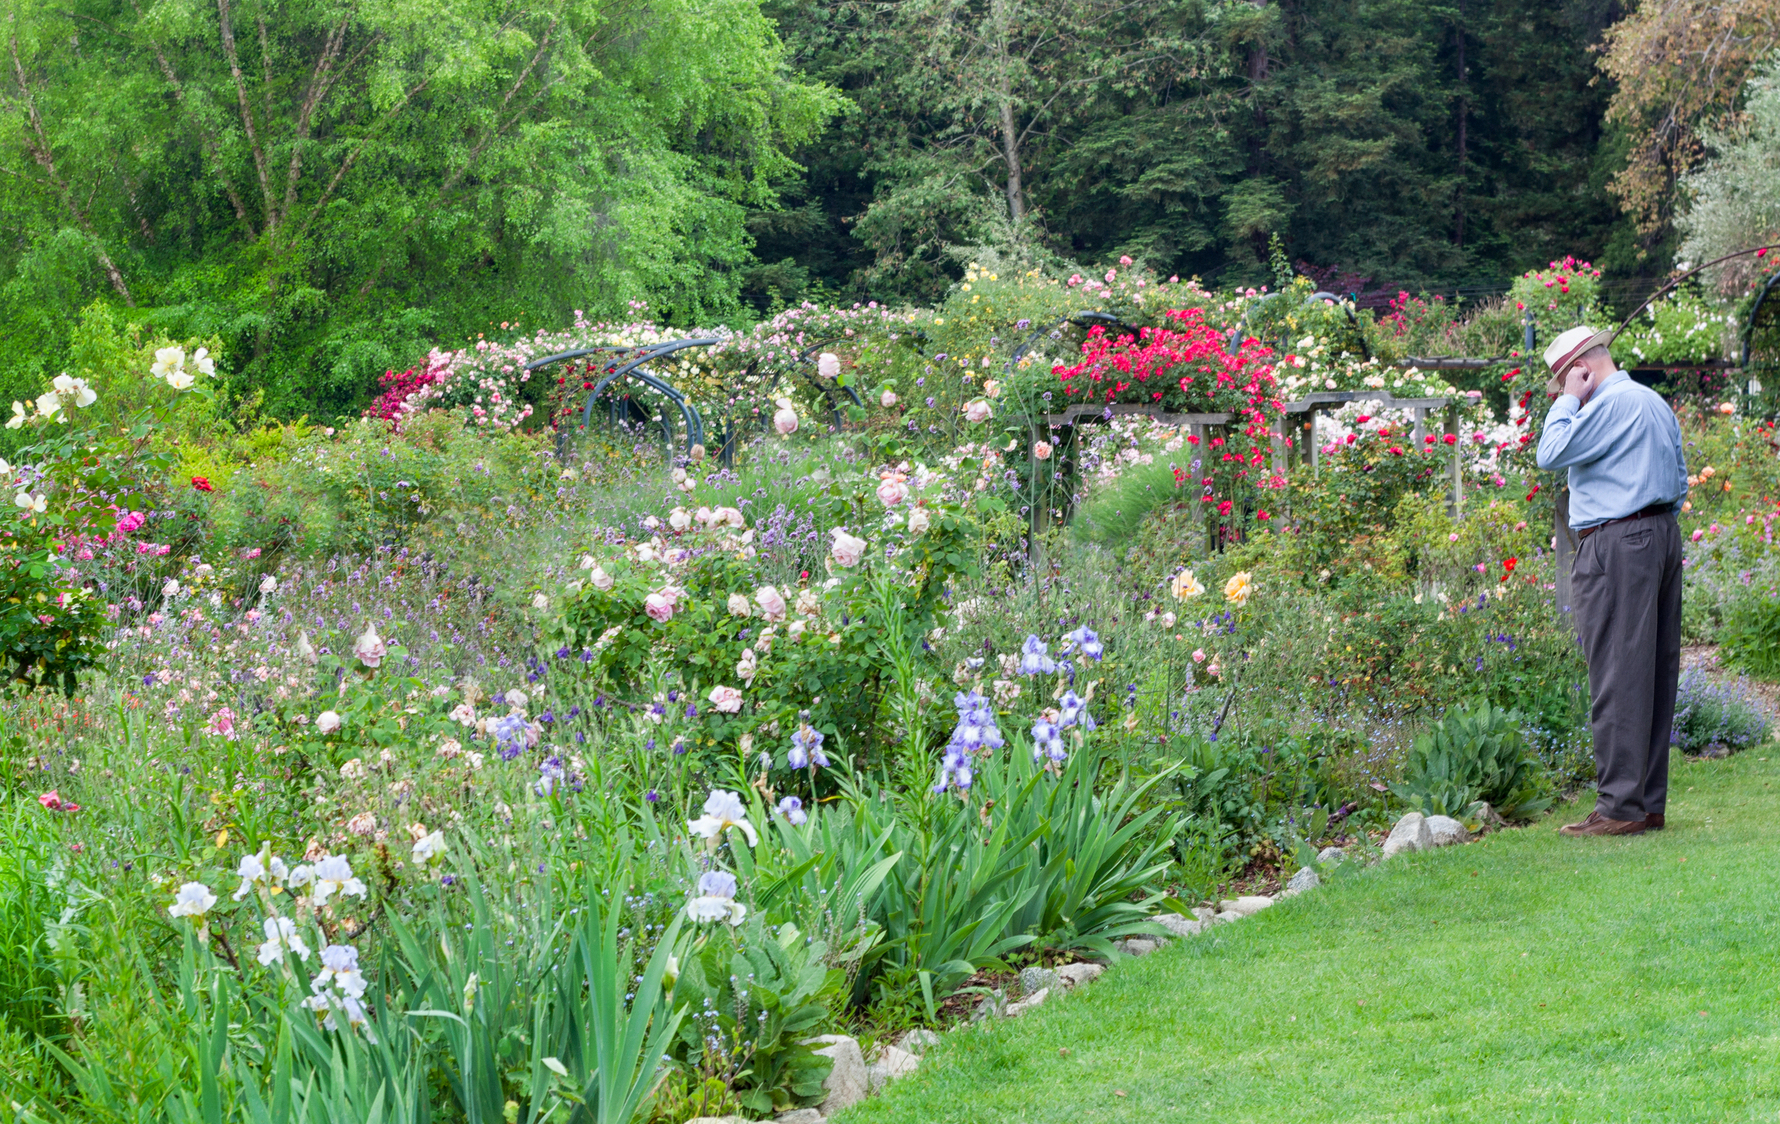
(1653, 510)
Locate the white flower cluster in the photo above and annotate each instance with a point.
(64, 388)
(169, 365)
(323, 879)
(339, 988)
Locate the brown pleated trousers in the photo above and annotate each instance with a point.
(1626, 591)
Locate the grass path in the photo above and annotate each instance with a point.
(1524, 977)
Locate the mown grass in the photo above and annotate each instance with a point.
(1526, 977)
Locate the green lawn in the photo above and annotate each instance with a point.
(1524, 977)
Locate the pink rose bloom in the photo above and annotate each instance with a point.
(892, 491)
(772, 605)
(887, 399)
(369, 647)
(785, 421)
(1698, 535)
(828, 365)
(1198, 655)
(848, 550)
(1042, 451)
(660, 605)
(727, 700)
(977, 412)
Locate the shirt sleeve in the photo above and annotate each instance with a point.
(1680, 462)
(1574, 434)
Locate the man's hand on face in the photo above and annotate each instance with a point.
(1579, 381)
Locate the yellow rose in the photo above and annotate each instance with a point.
(1185, 585)
(1238, 588)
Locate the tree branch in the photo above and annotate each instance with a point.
(351, 157)
(208, 137)
(319, 82)
(451, 181)
(253, 140)
(44, 154)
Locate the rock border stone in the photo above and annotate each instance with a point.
(853, 1078)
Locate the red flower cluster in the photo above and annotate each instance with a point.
(1187, 368)
(1184, 368)
(202, 483)
(393, 391)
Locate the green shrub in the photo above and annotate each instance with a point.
(1750, 639)
(754, 995)
(1476, 753)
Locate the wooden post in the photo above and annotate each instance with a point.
(1418, 431)
(1456, 505)
(1566, 542)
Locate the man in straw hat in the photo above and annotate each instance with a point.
(1628, 475)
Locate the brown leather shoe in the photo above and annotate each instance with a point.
(1597, 824)
(1653, 822)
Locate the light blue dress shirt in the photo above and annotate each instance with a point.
(1623, 451)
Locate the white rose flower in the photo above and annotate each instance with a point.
(167, 361)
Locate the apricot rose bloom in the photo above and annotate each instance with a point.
(1185, 585)
(1238, 589)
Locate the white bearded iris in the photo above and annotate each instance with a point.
(281, 934)
(723, 810)
(332, 875)
(716, 899)
(193, 900)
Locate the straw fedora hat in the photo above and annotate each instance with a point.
(1563, 351)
